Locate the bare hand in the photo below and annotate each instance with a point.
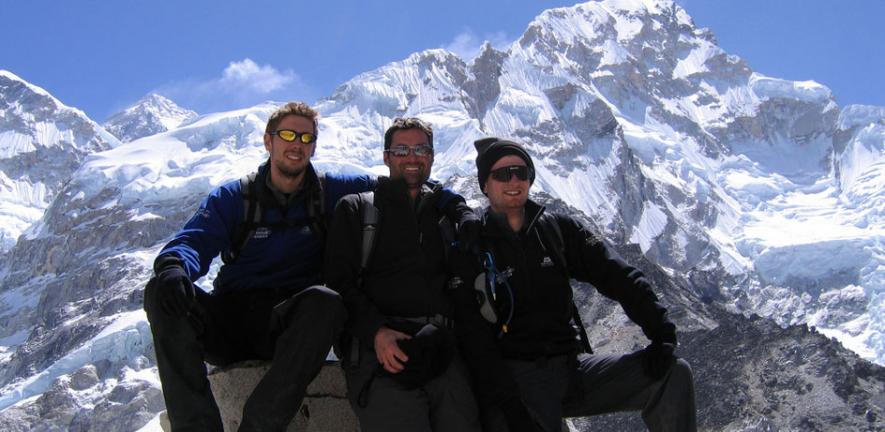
(388, 352)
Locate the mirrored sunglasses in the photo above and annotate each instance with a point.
(403, 151)
(504, 174)
(290, 136)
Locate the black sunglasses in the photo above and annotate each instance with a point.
(290, 136)
(504, 174)
(403, 150)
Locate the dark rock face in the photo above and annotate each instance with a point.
(482, 86)
(752, 375)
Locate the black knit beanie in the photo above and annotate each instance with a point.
(490, 149)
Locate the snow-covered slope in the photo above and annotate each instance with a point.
(42, 142)
(75, 288)
(747, 192)
(151, 115)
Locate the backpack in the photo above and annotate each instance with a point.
(369, 217)
(253, 226)
(486, 282)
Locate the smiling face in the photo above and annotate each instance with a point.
(510, 195)
(288, 160)
(414, 169)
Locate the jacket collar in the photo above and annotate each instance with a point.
(496, 225)
(396, 189)
(272, 198)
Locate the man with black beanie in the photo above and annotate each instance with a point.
(514, 315)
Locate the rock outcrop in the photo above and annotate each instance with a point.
(325, 408)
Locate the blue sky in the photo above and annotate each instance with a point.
(101, 56)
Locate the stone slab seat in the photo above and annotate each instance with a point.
(325, 408)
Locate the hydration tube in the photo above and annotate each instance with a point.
(494, 275)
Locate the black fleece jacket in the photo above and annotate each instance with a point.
(540, 325)
(407, 274)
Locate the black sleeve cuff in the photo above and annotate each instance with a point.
(165, 261)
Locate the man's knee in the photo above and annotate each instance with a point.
(163, 325)
(151, 300)
(681, 371)
(322, 303)
(317, 306)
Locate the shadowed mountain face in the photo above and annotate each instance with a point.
(738, 194)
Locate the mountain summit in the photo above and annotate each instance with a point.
(151, 115)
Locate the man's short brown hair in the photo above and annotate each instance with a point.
(292, 108)
(406, 123)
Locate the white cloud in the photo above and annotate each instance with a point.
(241, 84)
(248, 75)
(467, 44)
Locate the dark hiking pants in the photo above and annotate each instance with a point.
(444, 404)
(294, 332)
(597, 384)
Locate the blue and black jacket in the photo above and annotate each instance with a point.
(283, 259)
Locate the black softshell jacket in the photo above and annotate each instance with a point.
(407, 274)
(541, 322)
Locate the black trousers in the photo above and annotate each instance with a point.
(444, 404)
(599, 384)
(294, 332)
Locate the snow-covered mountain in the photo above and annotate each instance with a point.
(738, 193)
(151, 115)
(754, 191)
(42, 142)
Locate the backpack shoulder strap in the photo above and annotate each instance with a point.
(369, 226)
(446, 226)
(316, 209)
(447, 231)
(251, 218)
(369, 223)
(552, 235)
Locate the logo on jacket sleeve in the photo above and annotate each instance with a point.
(546, 262)
(261, 233)
(201, 213)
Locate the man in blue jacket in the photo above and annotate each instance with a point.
(267, 301)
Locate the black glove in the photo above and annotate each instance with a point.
(468, 224)
(518, 417)
(658, 359)
(430, 351)
(176, 290)
(468, 233)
